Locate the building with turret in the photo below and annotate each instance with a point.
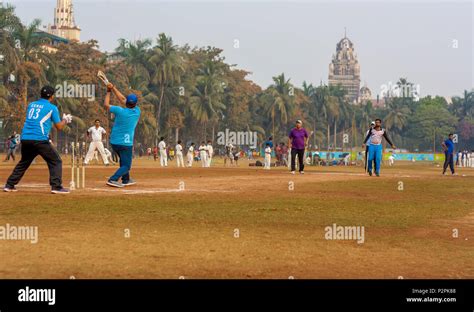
(64, 24)
(344, 69)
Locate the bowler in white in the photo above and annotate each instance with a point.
(95, 133)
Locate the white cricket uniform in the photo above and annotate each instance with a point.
(268, 158)
(190, 156)
(109, 155)
(346, 160)
(163, 156)
(229, 154)
(96, 144)
(179, 155)
(210, 153)
(203, 155)
(391, 160)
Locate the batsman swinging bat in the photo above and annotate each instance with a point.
(103, 77)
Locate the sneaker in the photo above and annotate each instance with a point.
(60, 191)
(292, 172)
(9, 189)
(377, 174)
(129, 183)
(370, 173)
(301, 172)
(114, 183)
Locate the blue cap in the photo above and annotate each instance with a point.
(132, 99)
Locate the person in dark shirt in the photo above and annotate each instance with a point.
(297, 141)
(375, 136)
(448, 147)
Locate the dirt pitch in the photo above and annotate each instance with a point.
(242, 223)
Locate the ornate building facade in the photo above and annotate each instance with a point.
(344, 69)
(64, 24)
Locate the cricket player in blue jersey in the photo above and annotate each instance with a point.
(41, 115)
(448, 147)
(375, 136)
(123, 132)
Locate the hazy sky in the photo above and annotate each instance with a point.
(392, 39)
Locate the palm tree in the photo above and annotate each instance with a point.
(206, 101)
(403, 84)
(9, 56)
(136, 55)
(463, 107)
(167, 69)
(397, 117)
(328, 101)
(310, 92)
(280, 101)
(30, 42)
(367, 112)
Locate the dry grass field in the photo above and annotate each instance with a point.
(242, 222)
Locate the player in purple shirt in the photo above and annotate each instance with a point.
(297, 141)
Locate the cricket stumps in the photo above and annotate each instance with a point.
(78, 170)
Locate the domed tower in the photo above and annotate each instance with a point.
(64, 24)
(365, 94)
(344, 69)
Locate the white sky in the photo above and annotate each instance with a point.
(393, 39)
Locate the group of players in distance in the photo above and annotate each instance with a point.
(42, 114)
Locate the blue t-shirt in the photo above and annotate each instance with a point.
(126, 120)
(40, 116)
(13, 143)
(450, 145)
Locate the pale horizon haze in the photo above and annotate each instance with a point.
(392, 39)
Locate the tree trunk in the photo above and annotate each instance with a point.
(329, 135)
(273, 121)
(314, 133)
(176, 133)
(158, 113)
(335, 134)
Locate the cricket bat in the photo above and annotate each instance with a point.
(103, 77)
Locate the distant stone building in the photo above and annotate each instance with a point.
(64, 24)
(365, 94)
(344, 69)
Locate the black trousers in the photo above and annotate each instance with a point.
(10, 153)
(31, 149)
(366, 157)
(448, 161)
(300, 153)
